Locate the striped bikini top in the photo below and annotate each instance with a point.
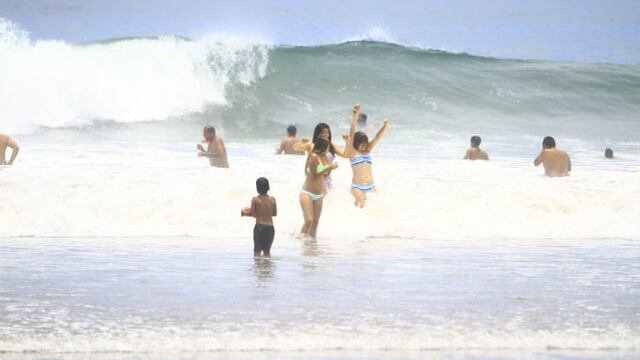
(360, 159)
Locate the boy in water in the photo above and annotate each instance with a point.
(264, 208)
(474, 152)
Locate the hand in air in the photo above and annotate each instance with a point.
(386, 121)
(356, 107)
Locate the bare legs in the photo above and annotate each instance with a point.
(311, 211)
(360, 197)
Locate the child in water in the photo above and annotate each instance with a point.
(263, 208)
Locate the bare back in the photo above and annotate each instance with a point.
(556, 162)
(264, 208)
(476, 154)
(286, 146)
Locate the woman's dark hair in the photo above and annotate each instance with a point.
(320, 145)
(358, 138)
(316, 135)
(262, 185)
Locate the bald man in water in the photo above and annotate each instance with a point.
(556, 162)
(6, 141)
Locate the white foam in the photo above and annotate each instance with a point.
(52, 83)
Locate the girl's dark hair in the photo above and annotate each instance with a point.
(316, 135)
(358, 138)
(320, 145)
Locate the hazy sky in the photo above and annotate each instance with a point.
(584, 30)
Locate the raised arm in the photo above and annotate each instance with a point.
(303, 145)
(378, 135)
(339, 151)
(15, 149)
(349, 150)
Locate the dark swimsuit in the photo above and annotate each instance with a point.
(263, 237)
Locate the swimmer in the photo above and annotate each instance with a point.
(313, 189)
(263, 208)
(608, 153)
(216, 151)
(286, 146)
(358, 149)
(322, 130)
(474, 152)
(556, 162)
(5, 142)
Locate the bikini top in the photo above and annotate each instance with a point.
(319, 169)
(360, 159)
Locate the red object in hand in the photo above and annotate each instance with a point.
(247, 212)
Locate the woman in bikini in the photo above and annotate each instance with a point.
(322, 131)
(358, 149)
(316, 169)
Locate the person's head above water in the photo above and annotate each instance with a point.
(262, 185)
(209, 132)
(320, 146)
(608, 153)
(291, 130)
(322, 131)
(362, 119)
(360, 141)
(548, 142)
(475, 141)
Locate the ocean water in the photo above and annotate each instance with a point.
(118, 242)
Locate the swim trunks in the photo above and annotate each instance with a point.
(263, 237)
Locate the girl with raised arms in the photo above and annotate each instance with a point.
(358, 150)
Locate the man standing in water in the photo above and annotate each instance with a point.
(556, 162)
(474, 152)
(216, 152)
(7, 141)
(286, 145)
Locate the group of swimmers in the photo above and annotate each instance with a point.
(321, 154)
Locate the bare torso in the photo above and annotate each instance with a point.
(476, 154)
(362, 173)
(556, 162)
(264, 208)
(314, 183)
(286, 146)
(217, 147)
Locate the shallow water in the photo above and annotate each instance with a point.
(161, 295)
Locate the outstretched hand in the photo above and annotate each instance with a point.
(356, 107)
